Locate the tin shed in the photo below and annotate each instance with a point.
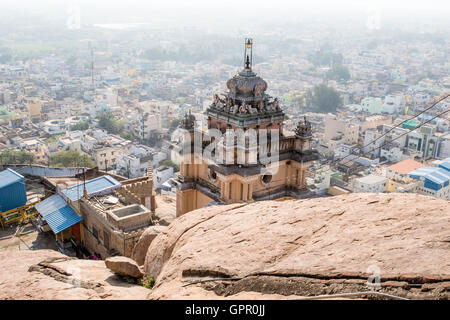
(12, 190)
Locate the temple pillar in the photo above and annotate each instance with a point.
(244, 191)
(227, 190)
(303, 178)
(222, 190)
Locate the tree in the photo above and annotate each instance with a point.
(325, 58)
(108, 122)
(170, 163)
(338, 72)
(71, 59)
(174, 123)
(5, 55)
(17, 157)
(323, 99)
(82, 125)
(53, 138)
(128, 136)
(72, 158)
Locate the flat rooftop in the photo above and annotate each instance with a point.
(371, 179)
(406, 166)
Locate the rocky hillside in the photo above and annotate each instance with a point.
(306, 247)
(48, 274)
(272, 250)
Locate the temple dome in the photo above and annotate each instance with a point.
(247, 83)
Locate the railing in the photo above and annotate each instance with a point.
(208, 184)
(23, 213)
(214, 190)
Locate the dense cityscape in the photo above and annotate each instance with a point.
(90, 113)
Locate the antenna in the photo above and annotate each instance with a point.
(91, 49)
(84, 181)
(143, 126)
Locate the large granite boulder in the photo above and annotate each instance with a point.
(124, 266)
(268, 250)
(141, 247)
(404, 239)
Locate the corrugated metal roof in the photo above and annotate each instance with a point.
(12, 190)
(50, 204)
(438, 176)
(100, 185)
(58, 214)
(445, 164)
(61, 219)
(9, 176)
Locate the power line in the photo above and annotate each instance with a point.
(397, 125)
(410, 130)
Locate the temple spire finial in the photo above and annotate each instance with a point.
(247, 63)
(248, 53)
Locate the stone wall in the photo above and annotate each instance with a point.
(130, 217)
(100, 235)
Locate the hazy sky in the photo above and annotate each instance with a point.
(400, 6)
(235, 12)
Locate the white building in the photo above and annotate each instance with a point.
(133, 162)
(146, 123)
(444, 146)
(370, 183)
(373, 140)
(161, 175)
(55, 126)
(162, 108)
(393, 104)
(394, 154)
(343, 150)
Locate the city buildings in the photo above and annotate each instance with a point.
(102, 215)
(133, 161)
(371, 105)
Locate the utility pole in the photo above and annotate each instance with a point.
(106, 165)
(84, 188)
(91, 49)
(142, 127)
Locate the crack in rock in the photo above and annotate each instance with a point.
(61, 275)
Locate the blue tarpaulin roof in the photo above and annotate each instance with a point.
(62, 219)
(58, 214)
(93, 187)
(435, 178)
(9, 176)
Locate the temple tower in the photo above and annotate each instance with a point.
(245, 155)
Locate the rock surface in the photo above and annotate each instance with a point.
(265, 250)
(166, 209)
(124, 266)
(141, 247)
(326, 245)
(48, 274)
